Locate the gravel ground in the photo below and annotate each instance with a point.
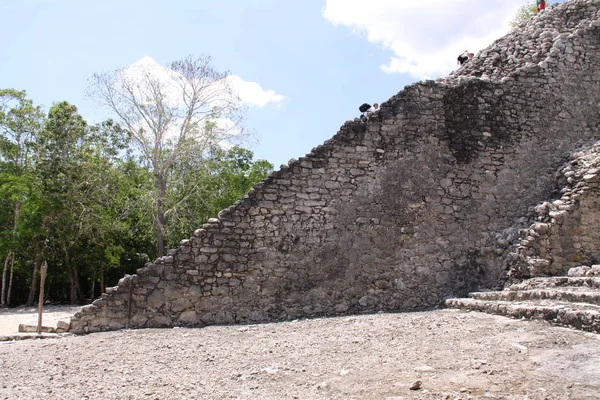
(455, 354)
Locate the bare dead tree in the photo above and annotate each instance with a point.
(170, 112)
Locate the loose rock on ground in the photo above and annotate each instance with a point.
(455, 354)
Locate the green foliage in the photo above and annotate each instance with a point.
(525, 13)
(205, 184)
(172, 118)
(20, 122)
(76, 196)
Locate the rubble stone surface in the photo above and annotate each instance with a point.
(421, 202)
(455, 354)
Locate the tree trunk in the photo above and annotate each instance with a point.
(92, 292)
(102, 287)
(161, 189)
(5, 294)
(73, 279)
(34, 277)
(4, 276)
(73, 285)
(10, 279)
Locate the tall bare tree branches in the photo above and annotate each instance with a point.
(170, 113)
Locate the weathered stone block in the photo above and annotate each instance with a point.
(156, 299)
(174, 292)
(188, 318)
(180, 305)
(421, 198)
(139, 320)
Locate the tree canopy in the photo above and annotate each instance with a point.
(172, 114)
(84, 197)
(525, 13)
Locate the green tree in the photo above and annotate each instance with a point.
(20, 123)
(76, 172)
(124, 236)
(206, 183)
(79, 197)
(187, 108)
(525, 13)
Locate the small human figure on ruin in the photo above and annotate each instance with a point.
(372, 110)
(366, 110)
(464, 57)
(541, 5)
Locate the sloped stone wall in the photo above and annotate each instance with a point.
(565, 232)
(395, 213)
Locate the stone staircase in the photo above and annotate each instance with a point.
(572, 300)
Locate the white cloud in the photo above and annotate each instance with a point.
(252, 94)
(147, 70)
(145, 78)
(227, 125)
(425, 37)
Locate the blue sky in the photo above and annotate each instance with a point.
(315, 61)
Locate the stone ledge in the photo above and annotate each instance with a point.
(571, 294)
(585, 317)
(556, 281)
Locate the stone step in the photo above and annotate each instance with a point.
(583, 271)
(556, 281)
(583, 316)
(577, 294)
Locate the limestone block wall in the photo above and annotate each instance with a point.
(395, 213)
(565, 232)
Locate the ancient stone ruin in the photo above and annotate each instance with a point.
(453, 186)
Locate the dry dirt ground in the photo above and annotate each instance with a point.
(455, 354)
(10, 318)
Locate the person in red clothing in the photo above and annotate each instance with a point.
(541, 5)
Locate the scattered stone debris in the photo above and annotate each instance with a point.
(424, 200)
(572, 300)
(278, 361)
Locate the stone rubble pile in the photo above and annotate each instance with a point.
(541, 41)
(421, 202)
(566, 231)
(572, 300)
(546, 257)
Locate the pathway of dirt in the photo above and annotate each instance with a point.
(10, 318)
(455, 354)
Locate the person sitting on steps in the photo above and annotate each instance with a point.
(464, 57)
(366, 110)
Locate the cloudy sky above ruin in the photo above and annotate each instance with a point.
(302, 67)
